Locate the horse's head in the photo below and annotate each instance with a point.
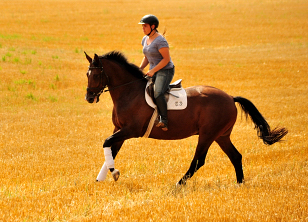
(97, 79)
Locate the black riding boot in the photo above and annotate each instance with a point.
(162, 110)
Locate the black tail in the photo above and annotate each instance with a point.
(268, 136)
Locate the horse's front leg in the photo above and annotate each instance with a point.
(111, 147)
(115, 148)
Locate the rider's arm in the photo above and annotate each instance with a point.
(144, 63)
(166, 59)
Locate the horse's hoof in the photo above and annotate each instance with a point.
(116, 174)
(178, 185)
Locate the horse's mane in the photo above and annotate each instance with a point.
(122, 60)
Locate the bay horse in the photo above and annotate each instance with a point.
(210, 113)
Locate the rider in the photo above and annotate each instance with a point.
(156, 53)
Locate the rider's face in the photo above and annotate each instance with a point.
(146, 29)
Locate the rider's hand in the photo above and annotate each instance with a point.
(150, 73)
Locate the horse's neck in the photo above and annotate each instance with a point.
(122, 85)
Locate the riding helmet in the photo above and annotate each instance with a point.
(150, 19)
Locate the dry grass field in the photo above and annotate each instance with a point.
(51, 138)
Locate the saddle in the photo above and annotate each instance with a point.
(175, 95)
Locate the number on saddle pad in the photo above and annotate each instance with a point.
(176, 96)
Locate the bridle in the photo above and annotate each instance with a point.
(96, 91)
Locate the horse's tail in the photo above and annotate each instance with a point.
(268, 136)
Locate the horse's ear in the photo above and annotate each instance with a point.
(88, 57)
(96, 57)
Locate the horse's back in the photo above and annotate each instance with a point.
(208, 91)
(214, 110)
(209, 97)
(208, 109)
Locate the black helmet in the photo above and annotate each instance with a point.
(150, 19)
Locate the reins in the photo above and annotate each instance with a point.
(103, 90)
(125, 84)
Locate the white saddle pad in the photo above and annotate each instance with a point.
(177, 98)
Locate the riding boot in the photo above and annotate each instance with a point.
(162, 110)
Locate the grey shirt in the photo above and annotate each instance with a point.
(152, 51)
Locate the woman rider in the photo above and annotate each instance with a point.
(156, 53)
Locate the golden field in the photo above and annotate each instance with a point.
(51, 138)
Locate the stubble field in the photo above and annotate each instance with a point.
(51, 138)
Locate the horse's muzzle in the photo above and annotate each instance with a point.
(92, 98)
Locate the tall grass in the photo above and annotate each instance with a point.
(51, 139)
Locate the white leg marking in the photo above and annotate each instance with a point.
(108, 157)
(103, 173)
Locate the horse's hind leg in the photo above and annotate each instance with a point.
(198, 160)
(236, 158)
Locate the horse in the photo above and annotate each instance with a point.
(210, 113)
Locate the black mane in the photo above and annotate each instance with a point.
(122, 60)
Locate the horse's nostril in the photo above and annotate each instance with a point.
(89, 99)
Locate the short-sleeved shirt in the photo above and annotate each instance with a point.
(152, 51)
